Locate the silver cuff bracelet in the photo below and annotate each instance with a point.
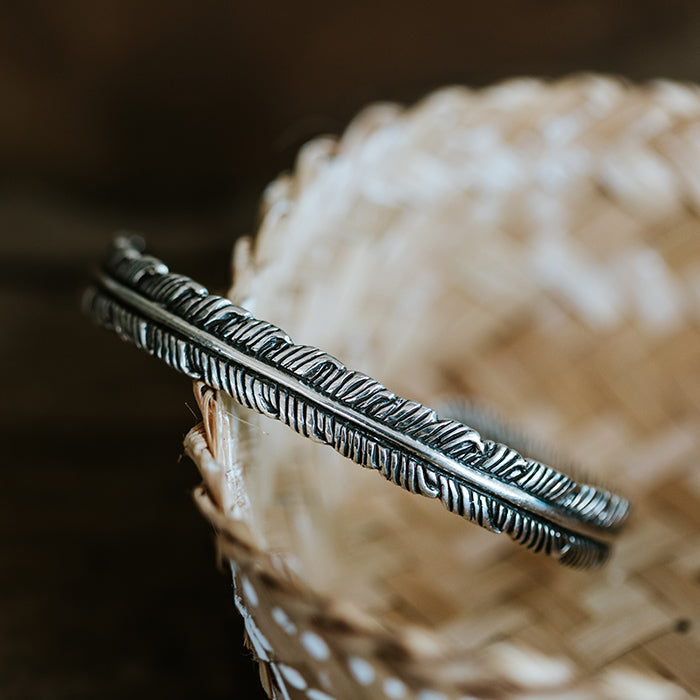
(210, 339)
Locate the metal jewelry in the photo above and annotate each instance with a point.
(210, 339)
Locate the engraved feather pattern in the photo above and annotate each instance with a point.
(321, 399)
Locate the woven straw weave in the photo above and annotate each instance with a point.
(535, 248)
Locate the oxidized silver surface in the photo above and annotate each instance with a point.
(210, 339)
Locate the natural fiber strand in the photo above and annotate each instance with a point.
(533, 247)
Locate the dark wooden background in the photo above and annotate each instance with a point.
(168, 118)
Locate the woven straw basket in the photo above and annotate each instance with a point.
(533, 247)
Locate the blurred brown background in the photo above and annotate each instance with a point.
(169, 118)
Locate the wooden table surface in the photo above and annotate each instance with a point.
(108, 579)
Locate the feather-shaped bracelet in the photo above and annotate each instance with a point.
(210, 339)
